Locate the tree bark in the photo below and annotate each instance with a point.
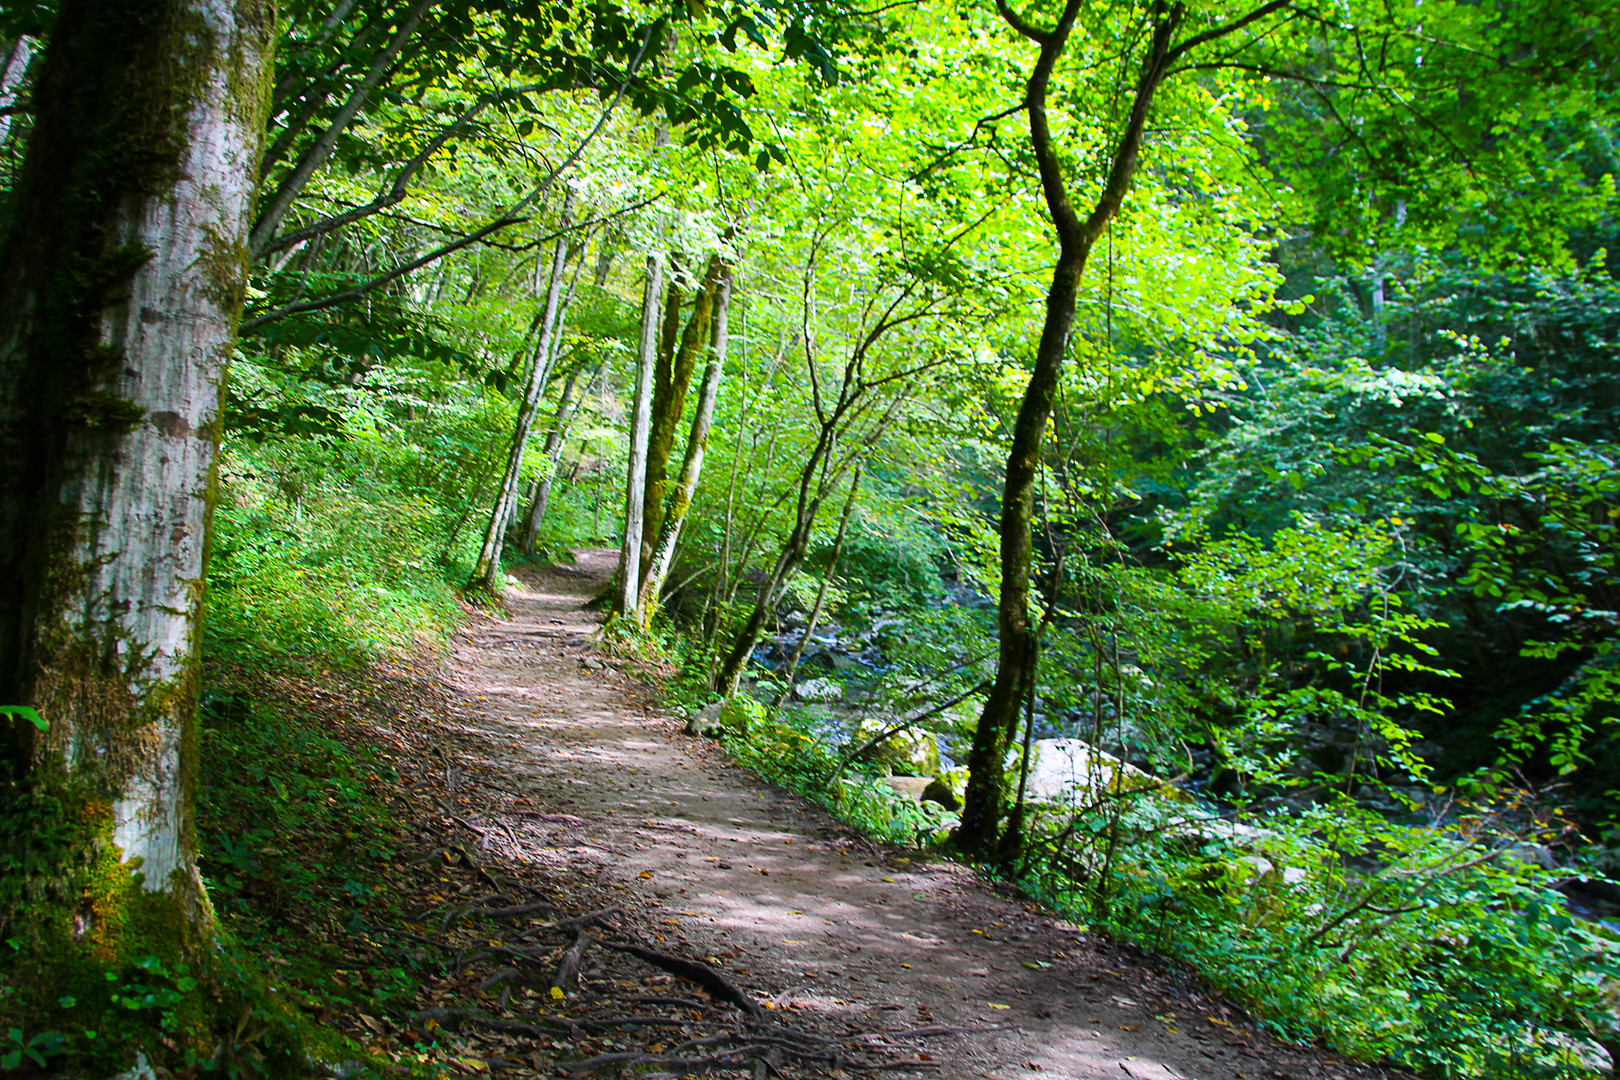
(14, 60)
(981, 813)
(697, 442)
(567, 406)
(487, 573)
(821, 593)
(640, 420)
(121, 282)
(673, 378)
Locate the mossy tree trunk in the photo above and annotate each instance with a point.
(122, 271)
(671, 380)
(697, 443)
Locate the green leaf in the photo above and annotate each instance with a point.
(26, 713)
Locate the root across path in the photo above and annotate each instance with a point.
(808, 950)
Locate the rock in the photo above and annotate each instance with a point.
(908, 787)
(939, 791)
(843, 661)
(822, 690)
(740, 712)
(908, 753)
(1532, 854)
(591, 663)
(1072, 771)
(706, 721)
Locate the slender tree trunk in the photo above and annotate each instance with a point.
(981, 813)
(557, 417)
(817, 478)
(567, 406)
(673, 379)
(14, 59)
(692, 465)
(821, 593)
(281, 201)
(640, 420)
(121, 281)
(487, 572)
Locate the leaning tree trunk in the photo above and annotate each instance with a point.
(121, 281)
(487, 572)
(567, 406)
(697, 442)
(792, 667)
(14, 59)
(978, 833)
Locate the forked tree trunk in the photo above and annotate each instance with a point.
(635, 488)
(121, 281)
(487, 572)
(978, 834)
(816, 609)
(697, 443)
(567, 406)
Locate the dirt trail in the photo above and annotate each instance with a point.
(797, 909)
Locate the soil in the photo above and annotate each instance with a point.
(568, 781)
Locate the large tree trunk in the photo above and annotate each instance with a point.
(121, 281)
(1015, 668)
(697, 443)
(635, 492)
(487, 573)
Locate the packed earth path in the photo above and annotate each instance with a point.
(938, 972)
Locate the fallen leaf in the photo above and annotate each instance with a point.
(1130, 1027)
(646, 873)
(994, 1005)
(905, 965)
(1216, 1020)
(888, 879)
(557, 993)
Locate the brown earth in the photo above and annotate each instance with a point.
(571, 772)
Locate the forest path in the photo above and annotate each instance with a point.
(799, 910)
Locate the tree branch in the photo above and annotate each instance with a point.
(316, 155)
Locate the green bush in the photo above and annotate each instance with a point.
(1428, 944)
(784, 749)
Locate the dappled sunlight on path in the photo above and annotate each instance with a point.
(795, 908)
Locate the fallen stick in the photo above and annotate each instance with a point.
(940, 1029)
(692, 971)
(517, 909)
(568, 969)
(555, 819)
